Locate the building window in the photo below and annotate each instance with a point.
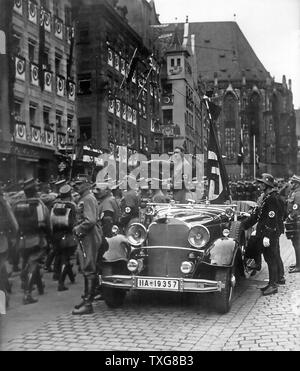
(84, 32)
(84, 82)
(46, 116)
(178, 62)
(85, 128)
(172, 62)
(168, 89)
(68, 15)
(58, 63)
(32, 114)
(58, 119)
(18, 110)
(16, 43)
(70, 122)
(56, 8)
(168, 116)
(31, 50)
(45, 59)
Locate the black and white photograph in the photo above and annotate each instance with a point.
(149, 178)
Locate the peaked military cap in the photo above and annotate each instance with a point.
(65, 190)
(61, 183)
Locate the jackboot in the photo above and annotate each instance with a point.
(84, 296)
(28, 299)
(62, 277)
(272, 289)
(39, 282)
(70, 273)
(87, 307)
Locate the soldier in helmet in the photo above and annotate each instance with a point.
(293, 219)
(269, 216)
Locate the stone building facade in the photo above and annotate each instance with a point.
(41, 119)
(114, 109)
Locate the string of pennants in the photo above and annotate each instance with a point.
(61, 83)
(43, 17)
(36, 136)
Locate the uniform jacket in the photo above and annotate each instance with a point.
(129, 207)
(294, 204)
(109, 204)
(90, 232)
(269, 216)
(88, 226)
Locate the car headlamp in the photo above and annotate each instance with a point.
(132, 265)
(136, 234)
(199, 236)
(187, 267)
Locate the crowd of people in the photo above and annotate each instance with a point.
(43, 227)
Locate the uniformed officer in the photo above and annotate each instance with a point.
(90, 237)
(269, 217)
(294, 217)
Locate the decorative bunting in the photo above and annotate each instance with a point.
(32, 11)
(20, 68)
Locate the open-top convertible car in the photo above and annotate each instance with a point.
(181, 248)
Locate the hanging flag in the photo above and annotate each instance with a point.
(241, 151)
(218, 188)
(42, 48)
(132, 67)
(71, 37)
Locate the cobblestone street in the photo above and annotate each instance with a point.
(159, 322)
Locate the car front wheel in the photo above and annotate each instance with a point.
(114, 298)
(223, 299)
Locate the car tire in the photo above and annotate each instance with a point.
(114, 298)
(223, 299)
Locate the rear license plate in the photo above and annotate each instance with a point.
(152, 284)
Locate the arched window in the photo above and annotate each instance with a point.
(230, 119)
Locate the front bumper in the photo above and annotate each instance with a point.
(185, 284)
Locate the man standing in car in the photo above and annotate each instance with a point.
(269, 216)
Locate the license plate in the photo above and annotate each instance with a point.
(152, 284)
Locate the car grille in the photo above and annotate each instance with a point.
(166, 261)
(168, 235)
